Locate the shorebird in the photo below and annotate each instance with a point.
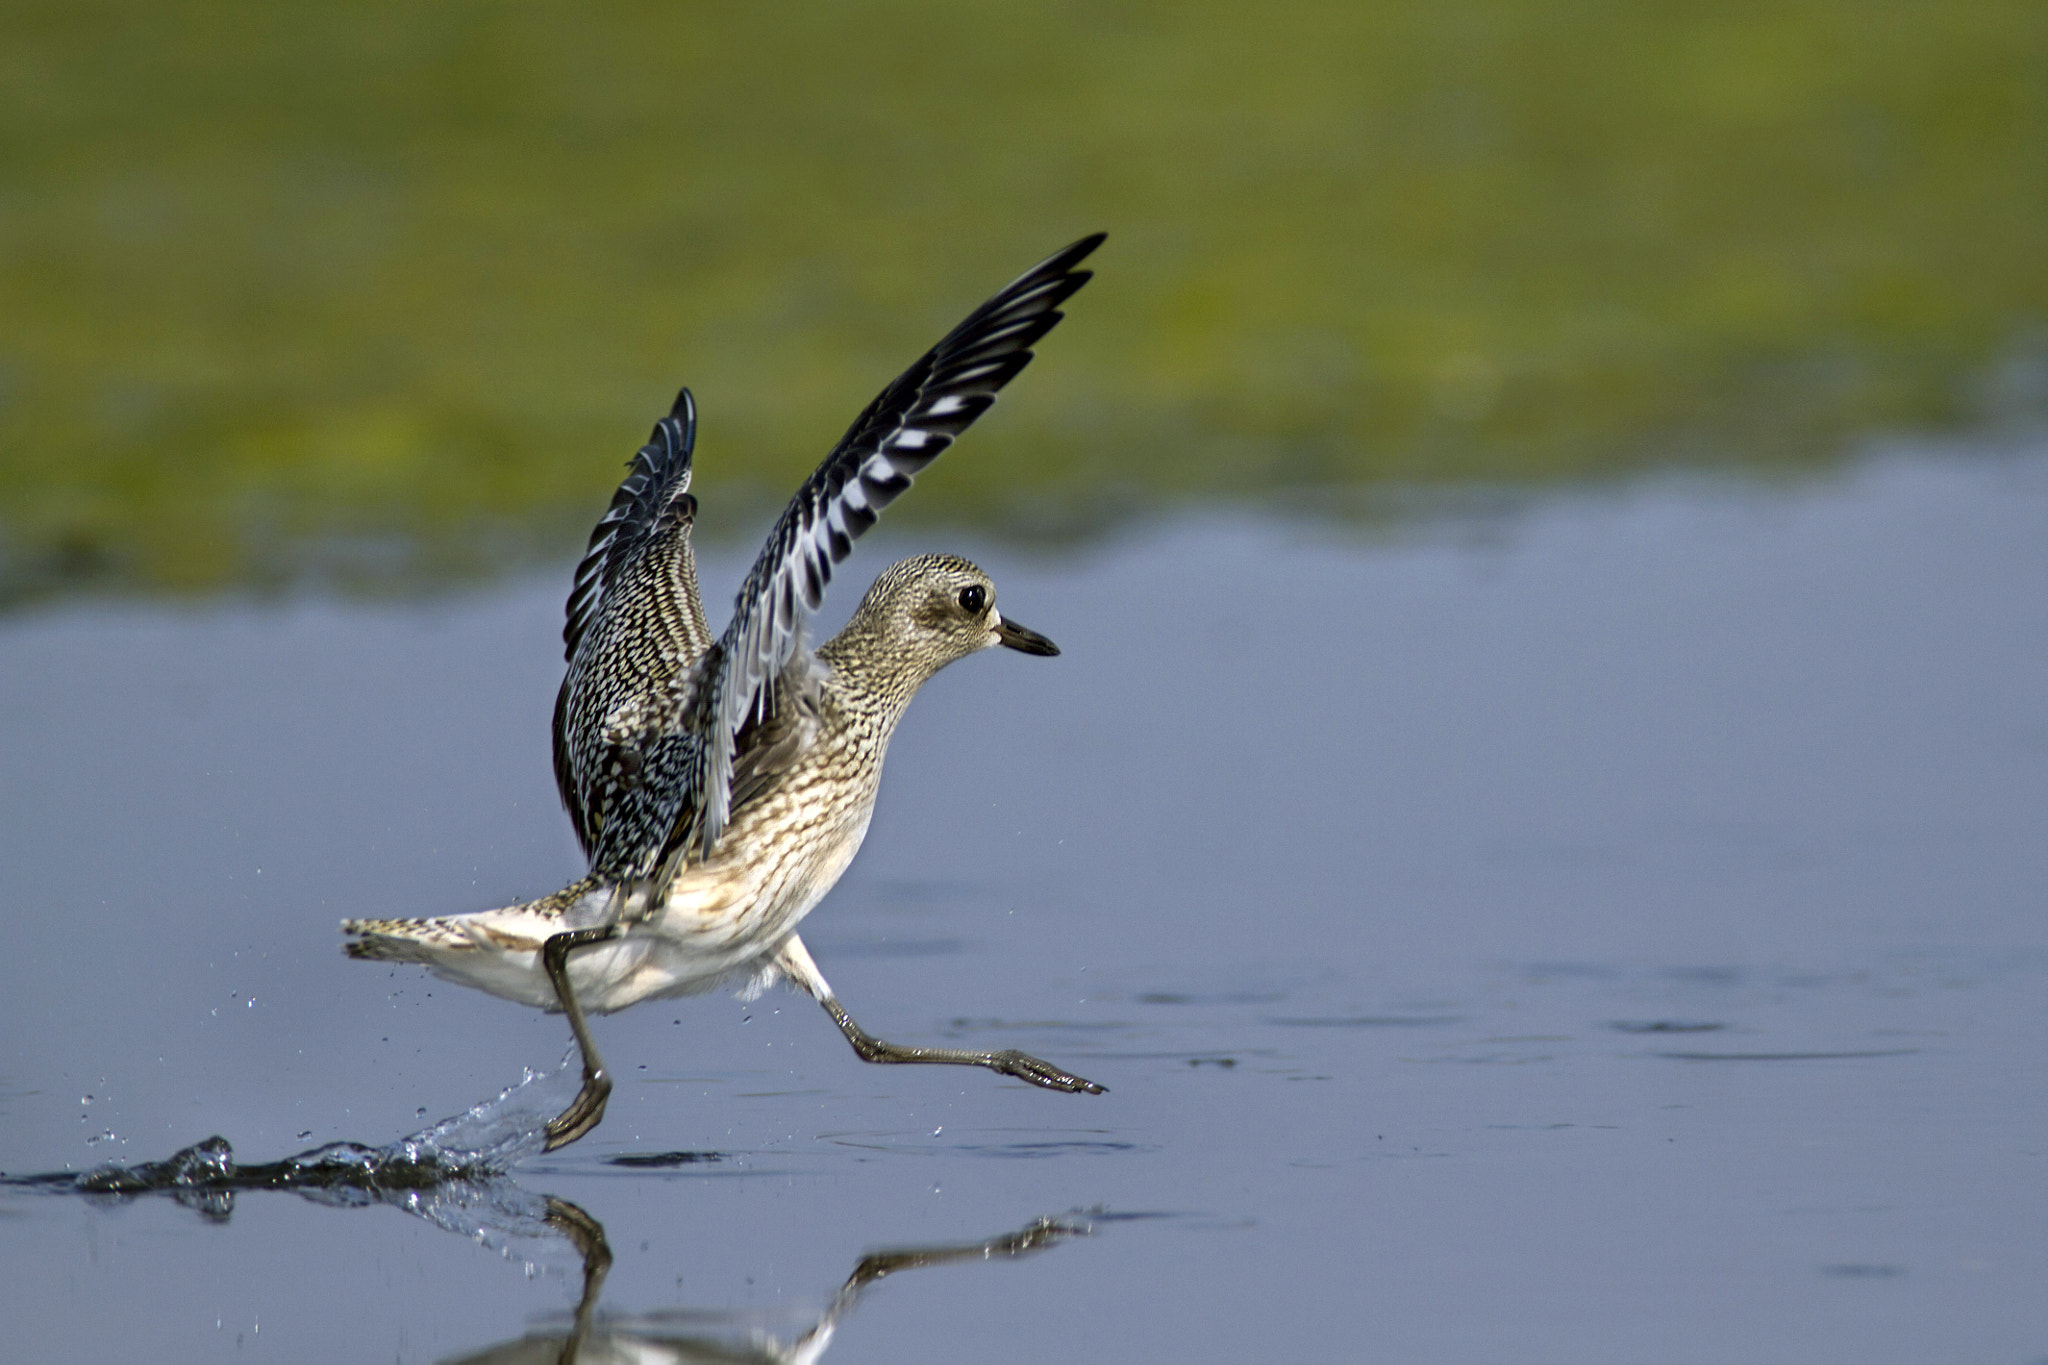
(720, 786)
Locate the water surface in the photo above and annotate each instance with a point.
(1603, 928)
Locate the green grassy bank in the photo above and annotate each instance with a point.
(399, 287)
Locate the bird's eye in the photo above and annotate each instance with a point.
(973, 598)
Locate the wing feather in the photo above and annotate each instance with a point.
(658, 476)
(904, 429)
(634, 627)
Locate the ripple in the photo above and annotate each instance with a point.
(1366, 1020)
(657, 1161)
(1786, 1056)
(1016, 1144)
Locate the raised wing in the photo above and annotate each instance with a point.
(900, 433)
(634, 628)
(656, 482)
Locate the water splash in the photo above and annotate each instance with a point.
(488, 1137)
(452, 1173)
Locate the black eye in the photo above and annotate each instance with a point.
(973, 599)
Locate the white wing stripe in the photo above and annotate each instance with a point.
(902, 431)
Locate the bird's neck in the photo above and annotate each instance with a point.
(869, 674)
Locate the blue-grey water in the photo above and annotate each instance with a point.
(1598, 927)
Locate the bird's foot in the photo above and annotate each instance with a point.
(584, 1113)
(1025, 1067)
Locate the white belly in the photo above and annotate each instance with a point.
(718, 921)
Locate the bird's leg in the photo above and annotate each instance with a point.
(586, 1111)
(794, 962)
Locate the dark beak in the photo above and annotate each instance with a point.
(1013, 636)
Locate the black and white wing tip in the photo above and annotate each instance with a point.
(658, 474)
(904, 429)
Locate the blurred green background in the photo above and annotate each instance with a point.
(387, 293)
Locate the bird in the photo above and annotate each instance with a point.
(720, 786)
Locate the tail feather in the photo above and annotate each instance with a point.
(523, 927)
(401, 940)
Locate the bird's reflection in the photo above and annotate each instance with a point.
(429, 1177)
(683, 1337)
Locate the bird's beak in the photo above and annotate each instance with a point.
(1013, 636)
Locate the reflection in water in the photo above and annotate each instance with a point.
(691, 1335)
(454, 1175)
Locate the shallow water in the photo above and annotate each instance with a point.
(1606, 928)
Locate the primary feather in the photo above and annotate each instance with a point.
(904, 429)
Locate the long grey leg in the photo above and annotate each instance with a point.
(794, 961)
(586, 1111)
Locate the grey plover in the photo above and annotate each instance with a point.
(721, 786)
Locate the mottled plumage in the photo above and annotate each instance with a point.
(720, 788)
(634, 628)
